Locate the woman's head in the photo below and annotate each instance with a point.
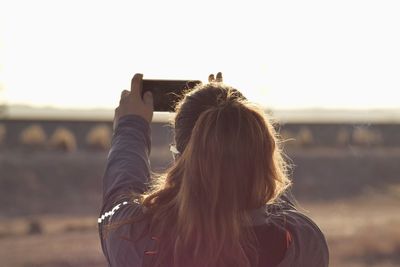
(229, 163)
(194, 103)
(229, 144)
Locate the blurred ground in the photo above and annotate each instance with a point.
(363, 231)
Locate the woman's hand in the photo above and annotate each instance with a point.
(131, 102)
(217, 79)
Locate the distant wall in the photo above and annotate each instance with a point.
(161, 133)
(296, 134)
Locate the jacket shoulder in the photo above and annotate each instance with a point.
(309, 245)
(124, 245)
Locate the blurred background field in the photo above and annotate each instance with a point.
(346, 177)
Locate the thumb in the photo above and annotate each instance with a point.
(148, 98)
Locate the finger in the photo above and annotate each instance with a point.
(116, 118)
(148, 99)
(124, 93)
(219, 78)
(211, 78)
(116, 113)
(136, 85)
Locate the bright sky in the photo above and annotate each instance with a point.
(282, 54)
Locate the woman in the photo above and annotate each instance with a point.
(222, 203)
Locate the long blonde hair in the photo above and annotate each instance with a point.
(229, 163)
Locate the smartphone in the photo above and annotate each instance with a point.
(167, 92)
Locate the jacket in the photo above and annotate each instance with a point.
(128, 170)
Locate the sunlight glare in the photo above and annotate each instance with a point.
(306, 54)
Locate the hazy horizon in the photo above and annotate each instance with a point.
(283, 115)
(310, 108)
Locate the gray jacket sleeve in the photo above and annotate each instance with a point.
(127, 170)
(128, 165)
